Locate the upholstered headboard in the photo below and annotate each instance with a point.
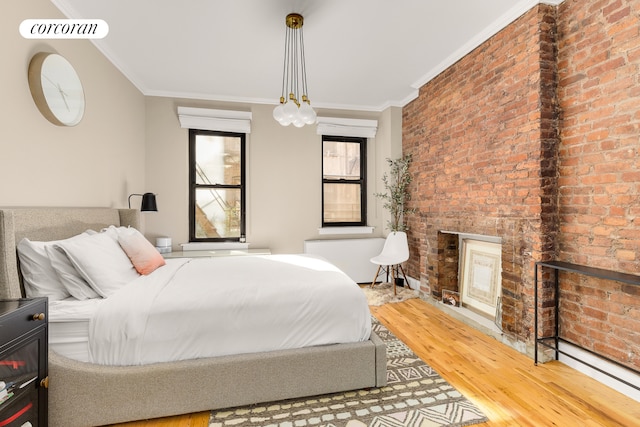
(46, 224)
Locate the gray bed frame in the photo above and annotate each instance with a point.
(85, 394)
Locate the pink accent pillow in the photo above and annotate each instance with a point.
(143, 255)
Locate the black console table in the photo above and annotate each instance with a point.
(554, 340)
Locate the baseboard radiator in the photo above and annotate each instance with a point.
(350, 255)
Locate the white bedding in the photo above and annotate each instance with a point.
(69, 327)
(206, 307)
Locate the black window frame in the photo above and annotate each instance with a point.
(194, 186)
(362, 181)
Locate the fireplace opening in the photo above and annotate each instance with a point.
(470, 278)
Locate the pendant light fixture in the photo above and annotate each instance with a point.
(294, 106)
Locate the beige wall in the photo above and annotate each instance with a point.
(96, 163)
(283, 176)
(128, 143)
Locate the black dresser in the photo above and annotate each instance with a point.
(23, 362)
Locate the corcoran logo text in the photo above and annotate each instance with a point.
(64, 29)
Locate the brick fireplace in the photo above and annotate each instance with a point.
(483, 135)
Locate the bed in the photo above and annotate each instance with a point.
(89, 394)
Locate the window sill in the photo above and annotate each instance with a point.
(208, 246)
(345, 230)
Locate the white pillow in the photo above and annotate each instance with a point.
(39, 277)
(101, 262)
(114, 232)
(71, 279)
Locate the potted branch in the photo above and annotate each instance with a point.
(396, 195)
(396, 182)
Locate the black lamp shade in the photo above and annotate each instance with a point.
(149, 203)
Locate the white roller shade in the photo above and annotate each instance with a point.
(335, 126)
(209, 119)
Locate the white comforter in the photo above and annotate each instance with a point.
(205, 307)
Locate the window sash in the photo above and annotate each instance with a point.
(342, 203)
(333, 217)
(228, 214)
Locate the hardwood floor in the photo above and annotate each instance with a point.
(505, 384)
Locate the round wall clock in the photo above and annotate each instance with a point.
(56, 89)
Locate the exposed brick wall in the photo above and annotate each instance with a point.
(534, 137)
(599, 69)
(483, 135)
(599, 92)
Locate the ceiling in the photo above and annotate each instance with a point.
(360, 54)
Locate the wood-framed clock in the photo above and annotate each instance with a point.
(56, 89)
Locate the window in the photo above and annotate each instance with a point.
(216, 186)
(343, 181)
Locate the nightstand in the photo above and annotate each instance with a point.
(217, 253)
(23, 361)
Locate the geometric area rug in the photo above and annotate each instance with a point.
(415, 396)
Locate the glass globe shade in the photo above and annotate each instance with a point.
(285, 122)
(278, 112)
(290, 110)
(313, 119)
(306, 113)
